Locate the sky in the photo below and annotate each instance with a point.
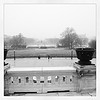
(49, 20)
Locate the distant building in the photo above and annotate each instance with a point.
(32, 46)
(41, 46)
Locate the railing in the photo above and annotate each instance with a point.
(41, 80)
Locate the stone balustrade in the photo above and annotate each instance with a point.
(46, 79)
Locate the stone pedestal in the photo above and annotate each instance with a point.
(86, 76)
(86, 71)
(84, 65)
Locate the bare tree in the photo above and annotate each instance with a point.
(69, 38)
(7, 41)
(84, 40)
(92, 43)
(17, 41)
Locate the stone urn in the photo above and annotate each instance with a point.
(5, 53)
(84, 55)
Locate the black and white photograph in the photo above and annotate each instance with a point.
(49, 49)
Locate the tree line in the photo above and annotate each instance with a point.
(69, 39)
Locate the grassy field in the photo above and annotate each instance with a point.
(54, 52)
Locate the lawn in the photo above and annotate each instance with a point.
(54, 52)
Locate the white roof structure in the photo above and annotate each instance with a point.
(41, 45)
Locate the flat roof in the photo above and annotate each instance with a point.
(16, 69)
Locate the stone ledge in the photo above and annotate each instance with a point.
(82, 93)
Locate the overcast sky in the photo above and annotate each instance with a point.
(49, 20)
